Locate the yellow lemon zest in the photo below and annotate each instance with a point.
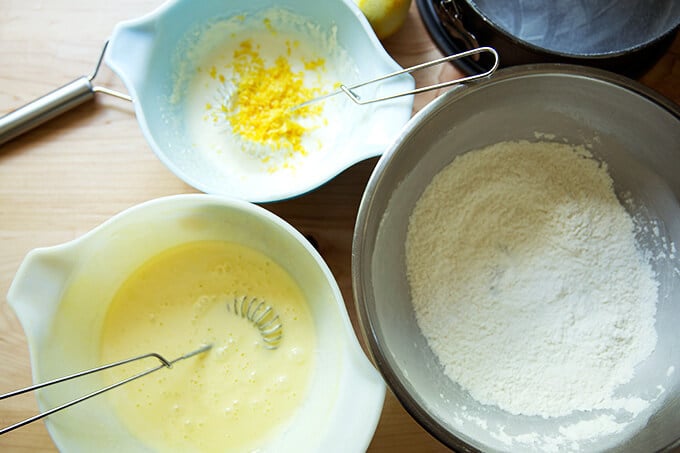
(268, 23)
(318, 63)
(260, 108)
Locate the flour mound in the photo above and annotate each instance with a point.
(526, 279)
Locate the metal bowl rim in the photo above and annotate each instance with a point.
(365, 214)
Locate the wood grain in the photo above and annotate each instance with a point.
(73, 173)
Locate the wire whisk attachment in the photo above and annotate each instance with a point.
(164, 364)
(349, 90)
(262, 316)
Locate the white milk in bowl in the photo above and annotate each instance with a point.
(240, 87)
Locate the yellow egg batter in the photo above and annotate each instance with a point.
(231, 398)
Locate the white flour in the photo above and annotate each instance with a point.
(527, 283)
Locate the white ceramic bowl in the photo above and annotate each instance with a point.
(146, 54)
(346, 393)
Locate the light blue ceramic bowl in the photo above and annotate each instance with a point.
(144, 53)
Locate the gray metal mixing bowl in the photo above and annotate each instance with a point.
(635, 131)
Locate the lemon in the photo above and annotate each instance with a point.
(385, 16)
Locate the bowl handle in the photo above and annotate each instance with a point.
(38, 286)
(130, 52)
(53, 104)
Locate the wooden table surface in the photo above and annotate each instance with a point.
(71, 174)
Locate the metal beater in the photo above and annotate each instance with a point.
(349, 90)
(164, 364)
(257, 311)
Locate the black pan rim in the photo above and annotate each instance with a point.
(444, 42)
(595, 55)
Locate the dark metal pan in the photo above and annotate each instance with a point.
(624, 36)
